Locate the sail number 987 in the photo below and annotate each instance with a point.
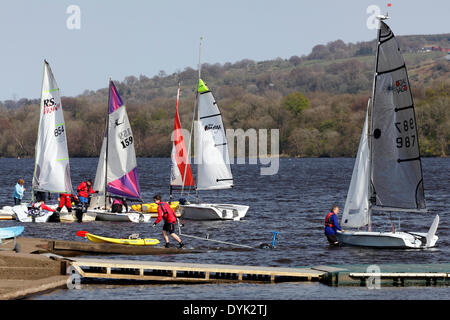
(406, 140)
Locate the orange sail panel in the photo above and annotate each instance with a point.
(181, 169)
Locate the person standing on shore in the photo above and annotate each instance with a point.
(332, 225)
(166, 212)
(19, 191)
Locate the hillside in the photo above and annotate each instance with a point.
(335, 78)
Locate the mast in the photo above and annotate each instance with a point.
(193, 119)
(107, 139)
(185, 168)
(37, 137)
(370, 122)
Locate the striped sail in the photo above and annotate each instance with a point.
(180, 169)
(52, 169)
(213, 160)
(396, 170)
(117, 158)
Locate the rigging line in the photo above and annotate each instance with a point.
(219, 241)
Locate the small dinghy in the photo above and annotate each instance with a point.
(99, 239)
(387, 176)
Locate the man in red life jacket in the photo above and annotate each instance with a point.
(84, 189)
(332, 225)
(166, 212)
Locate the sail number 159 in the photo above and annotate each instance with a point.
(406, 140)
(126, 138)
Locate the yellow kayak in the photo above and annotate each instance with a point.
(136, 242)
(153, 207)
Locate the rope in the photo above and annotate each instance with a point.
(225, 242)
(207, 239)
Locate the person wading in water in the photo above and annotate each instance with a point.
(332, 225)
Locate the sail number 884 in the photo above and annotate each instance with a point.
(59, 130)
(403, 127)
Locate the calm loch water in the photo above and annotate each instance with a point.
(293, 202)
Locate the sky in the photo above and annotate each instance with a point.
(119, 38)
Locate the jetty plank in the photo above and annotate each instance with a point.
(176, 271)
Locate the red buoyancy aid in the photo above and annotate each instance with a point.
(83, 190)
(168, 213)
(328, 223)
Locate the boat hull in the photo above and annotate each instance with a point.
(21, 214)
(103, 215)
(6, 213)
(212, 211)
(10, 232)
(136, 242)
(394, 240)
(139, 217)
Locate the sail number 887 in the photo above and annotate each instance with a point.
(406, 140)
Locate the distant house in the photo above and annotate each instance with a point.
(436, 48)
(429, 48)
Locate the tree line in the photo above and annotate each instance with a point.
(317, 102)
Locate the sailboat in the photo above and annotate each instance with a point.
(387, 175)
(116, 174)
(213, 161)
(52, 169)
(180, 173)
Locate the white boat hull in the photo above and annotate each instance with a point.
(88, 216)
(139, 217)
(21, 214)
(106, 215)
(213, 211)
(6, 213)
(386, 239)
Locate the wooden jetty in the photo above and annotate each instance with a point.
(388, 274)
(188, 272)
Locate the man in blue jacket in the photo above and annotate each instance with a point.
(332, 225)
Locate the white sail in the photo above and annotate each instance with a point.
(213, 161)
(52, 169)
(356, 209)
(119, 154)
(99, 182)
